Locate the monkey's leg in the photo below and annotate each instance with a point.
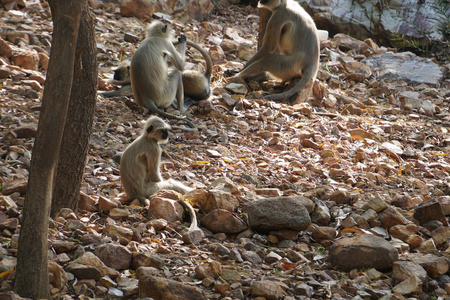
(283, 67)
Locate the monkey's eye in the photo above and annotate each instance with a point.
(149, 128)
(164, 29)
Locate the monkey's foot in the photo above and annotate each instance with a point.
(193, 236)
(144, 201)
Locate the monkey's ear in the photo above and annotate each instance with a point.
(149, 128)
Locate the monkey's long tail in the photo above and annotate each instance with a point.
(309, 74)
(206, 57)
(154, 109)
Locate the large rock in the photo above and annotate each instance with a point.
(405, 66)
(165, 289)
(114, 256)
(362, 252)
(372, 19)
(277, 213)
(221, 220)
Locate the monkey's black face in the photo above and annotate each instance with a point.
(263, 1)
(118, 74)
(164, 134)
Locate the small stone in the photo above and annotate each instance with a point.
(270, 290)
(161, 288)
(209, 269)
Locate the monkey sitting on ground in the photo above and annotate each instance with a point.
(290, 31)
(140, 163)
(154, 84)
(140, 170)
(121, 77)
(195, 83)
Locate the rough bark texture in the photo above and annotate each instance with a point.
(77, 130)
(32, 270)
(264, 16)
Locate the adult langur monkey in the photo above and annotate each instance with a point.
(140, 168)
(154, 84)
(195, 83)
(292, 33)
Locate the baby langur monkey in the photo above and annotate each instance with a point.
(155, 85)
(290, 31)
(140, 167)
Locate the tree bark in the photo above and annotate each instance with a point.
(264, 16)
(32, 270)
(77, 130)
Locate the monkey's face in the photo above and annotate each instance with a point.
(270, 4)
(157, 129)
(158, 28)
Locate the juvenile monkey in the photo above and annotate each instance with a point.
(195, 83)
(121, 77)
(140, 163)
(290, 47)
(140, 169)
(154, 84)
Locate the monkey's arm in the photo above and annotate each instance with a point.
(151, 167)
(177, 57)
(271, 39)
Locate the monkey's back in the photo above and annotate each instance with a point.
(302, 27)
(148, 70)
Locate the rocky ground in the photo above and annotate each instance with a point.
(344, 195)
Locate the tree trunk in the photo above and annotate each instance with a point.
(75, 142)
(264, 16)
(32, 269)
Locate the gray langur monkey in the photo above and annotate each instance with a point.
(140, 171)
(195, 83)
(290, 47)
(121, 77)
(154, 84)
(140, 163)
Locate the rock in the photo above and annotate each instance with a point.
(15, 185)
(119, 231)
(119, 213)
(11, 224)
(217, 199)
(114, 256)
(377, 204)
(362, 251)
(272, 257)
(230, 273)
(221, 220)
(236, 88)
(105, 204)
(84, 271)
(57, 276)
(145, 271)
(86, 202)
(89, 259)
(434, 265)
(163, 208)
(140, 9)
(251, 256)
(211, 269)
(7, 202)
(348, 43)
(4, 72)
(405, 66)
(43, 61)
(429, 211)
(63, 246)
(268, 192)
(403, 232)
(391, 217)
(26, 131)
(165, 289)
(5, 49)
(321, 233)
(147, 259)
(26, 59)
(270, 290)
(441, 235)
(340, 196)
(277, 213)
(402, 270)
(410, 286)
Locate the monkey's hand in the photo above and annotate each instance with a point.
(230, 72)
(182, 38)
